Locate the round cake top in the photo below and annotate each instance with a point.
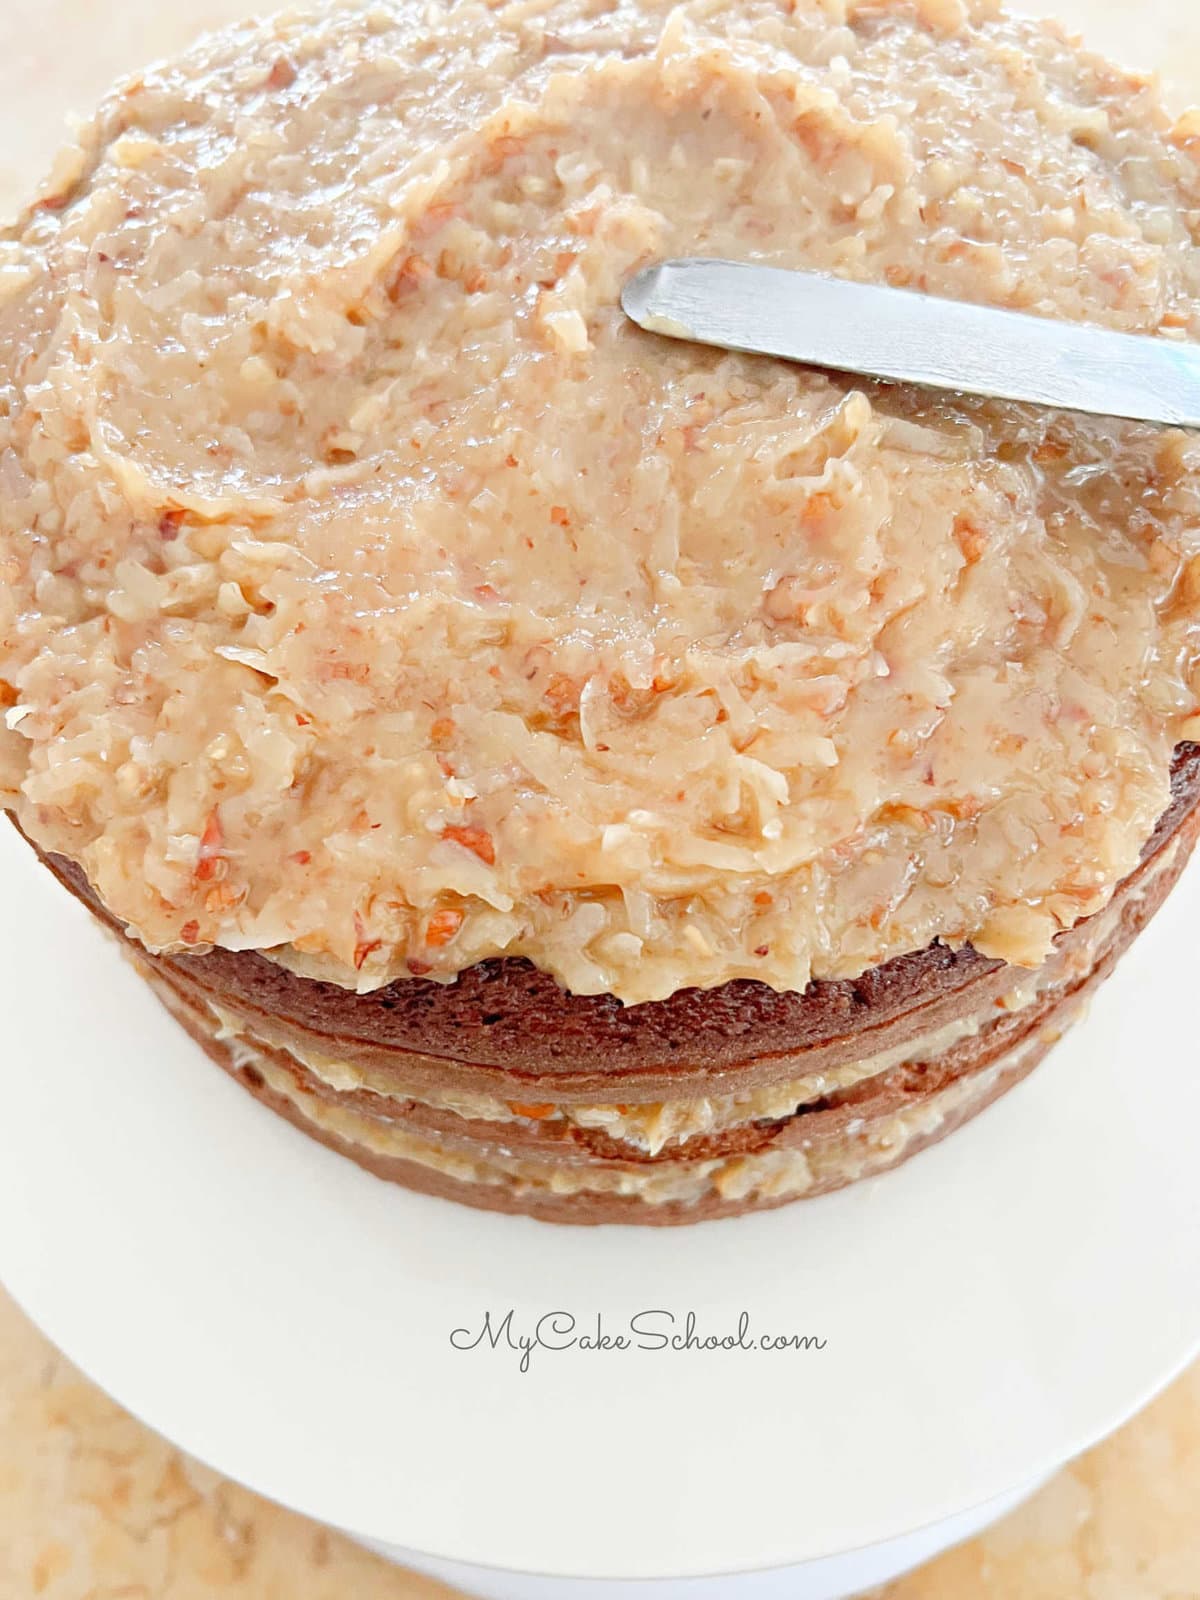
(375, 595)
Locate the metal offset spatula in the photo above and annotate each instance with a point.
(916, 338)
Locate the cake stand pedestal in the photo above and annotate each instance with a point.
(830, 1578)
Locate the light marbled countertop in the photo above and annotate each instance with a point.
(95, 1507)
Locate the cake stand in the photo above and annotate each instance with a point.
(976, 1317)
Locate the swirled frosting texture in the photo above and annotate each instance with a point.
(375, 595)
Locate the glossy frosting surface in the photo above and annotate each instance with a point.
(375, 595)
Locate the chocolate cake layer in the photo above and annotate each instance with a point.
(508, 1030)
(495, 1190)
(986, 1041)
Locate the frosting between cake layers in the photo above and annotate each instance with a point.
(375, 596)
(655, 1126)
(770, 1174)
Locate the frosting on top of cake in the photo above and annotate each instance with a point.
(375, 595)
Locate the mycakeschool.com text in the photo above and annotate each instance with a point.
(596, 1333)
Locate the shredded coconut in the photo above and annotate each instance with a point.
(374, 595)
